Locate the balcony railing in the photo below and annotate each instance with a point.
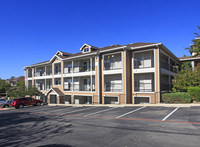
(142, 66)
(109, 66)
(143, 87)
(67, 70)
(166, 66)
(57, 72)
(39, 74)
(81, 87)
(83, 68)
(113, 87)
(68, 86)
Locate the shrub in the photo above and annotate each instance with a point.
(178, 97)
(194, 93)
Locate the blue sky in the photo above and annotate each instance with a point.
(32, 31)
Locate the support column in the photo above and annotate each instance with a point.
(91, 73)
(169, 63)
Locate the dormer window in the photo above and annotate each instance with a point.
(86, 50)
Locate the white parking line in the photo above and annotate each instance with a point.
(100, 111)
(79, 110)
(130, 112)
(169, 114)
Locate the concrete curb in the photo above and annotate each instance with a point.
(127, 105)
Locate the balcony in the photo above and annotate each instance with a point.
(144, 60)
(82, 68)
(113, 83)
(84, 65)
(84, 83)
(48, 84)
(40, 74)
(67, 84)
(143, 87)
(57, 69)
(166, 66)
(29, 73)
(144, 82)
(40, 84)
(112, 62)
(113, 87)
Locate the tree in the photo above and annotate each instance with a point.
(33, 91)
(186, 66)
(185, 79)
(21, 91)
(18, 91)
(4, 86)
(195, 47)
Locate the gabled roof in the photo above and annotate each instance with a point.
(57, 91)
(92, 47)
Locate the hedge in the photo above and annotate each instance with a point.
(194, 93)
(178, 97)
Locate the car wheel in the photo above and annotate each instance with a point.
(6, 106)
(38, 104)
(21, 106)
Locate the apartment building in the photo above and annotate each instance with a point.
(118, 74)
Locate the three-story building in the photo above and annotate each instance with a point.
(118, 74)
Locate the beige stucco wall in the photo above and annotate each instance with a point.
(157, 75)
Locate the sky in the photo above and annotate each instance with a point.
(32, 31)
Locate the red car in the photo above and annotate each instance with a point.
(25, 101)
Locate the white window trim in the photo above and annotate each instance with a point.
(81, 95)
(111, 96)
(141, 96)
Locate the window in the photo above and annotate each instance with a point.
(86, 50)
(57, 82)
(57, 69)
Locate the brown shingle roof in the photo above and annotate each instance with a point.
(139, 44)
(65, 53)
(188, 57)
(68, 55)
(58, 91)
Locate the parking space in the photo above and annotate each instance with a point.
(188, 114)
(191, 114)
(157, 113)
(116, 126)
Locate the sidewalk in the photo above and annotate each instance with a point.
(128, 105)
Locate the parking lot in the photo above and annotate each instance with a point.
(100, 126)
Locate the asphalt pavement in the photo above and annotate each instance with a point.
(47, 126)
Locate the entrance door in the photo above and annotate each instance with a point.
(53, 99)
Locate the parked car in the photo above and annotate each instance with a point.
(25, 101)
(2, 100)
(5, 103)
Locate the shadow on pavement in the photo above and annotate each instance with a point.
(25, 129)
